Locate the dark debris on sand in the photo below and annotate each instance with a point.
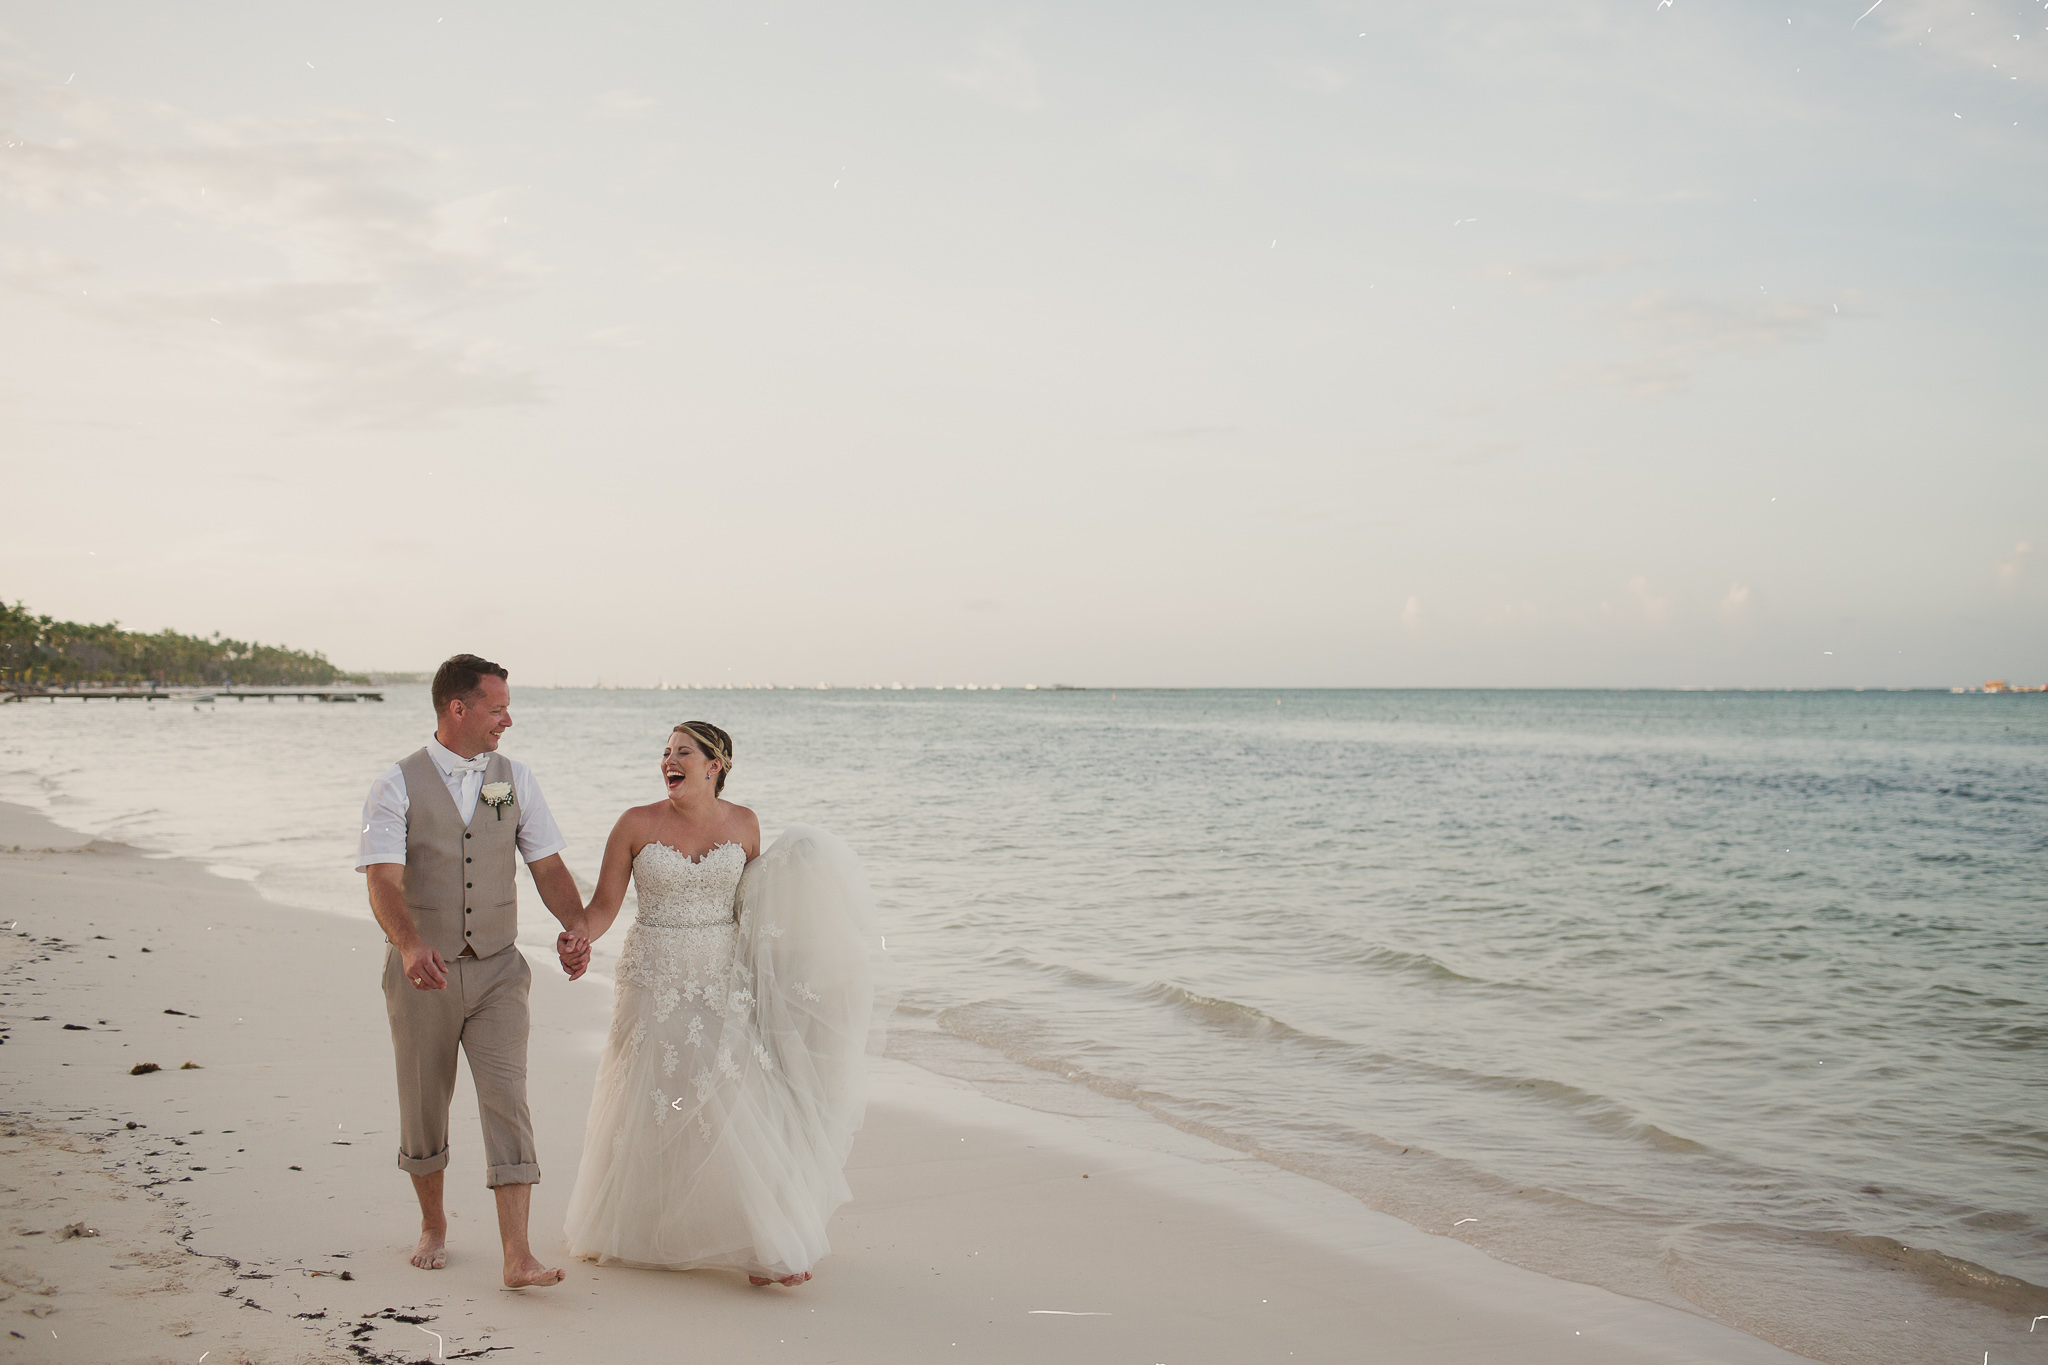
(393, 1315)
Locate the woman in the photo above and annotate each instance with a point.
(734, 1075)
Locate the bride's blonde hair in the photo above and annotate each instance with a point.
(714, 744)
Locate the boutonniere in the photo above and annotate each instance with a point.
(497, 795)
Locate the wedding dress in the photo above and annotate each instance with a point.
(735, 1072)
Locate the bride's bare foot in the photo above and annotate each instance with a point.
(432, 1252)
(527, 1273)
(790, 1280)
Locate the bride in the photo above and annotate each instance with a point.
(734, 1074)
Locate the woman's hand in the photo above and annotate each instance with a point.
(574, 950)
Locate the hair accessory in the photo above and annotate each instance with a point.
(709, 743)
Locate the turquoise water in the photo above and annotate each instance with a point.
(1732, 1000)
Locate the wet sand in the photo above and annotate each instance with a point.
(249, 1208)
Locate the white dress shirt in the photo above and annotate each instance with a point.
(383, 839)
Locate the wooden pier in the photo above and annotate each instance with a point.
(172, 692)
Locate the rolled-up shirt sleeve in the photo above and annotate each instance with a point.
(538, 835)
(383, 836)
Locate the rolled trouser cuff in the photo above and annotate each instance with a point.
(526, 1173)
(423, 1165)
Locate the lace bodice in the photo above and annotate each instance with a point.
(675, 891)
(681, 944)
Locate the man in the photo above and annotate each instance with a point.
(440, 831)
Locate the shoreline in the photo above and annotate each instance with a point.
(979, 1229)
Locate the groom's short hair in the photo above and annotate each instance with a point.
(461, 678)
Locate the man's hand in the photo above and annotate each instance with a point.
(424, 967)
(574, 950)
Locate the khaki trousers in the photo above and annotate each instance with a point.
(481, 1010)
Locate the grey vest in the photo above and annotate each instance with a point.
(459, 880)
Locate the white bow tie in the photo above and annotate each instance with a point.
(469, 765)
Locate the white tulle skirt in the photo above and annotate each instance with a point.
(722, 1117)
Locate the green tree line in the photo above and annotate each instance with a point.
(44, 651)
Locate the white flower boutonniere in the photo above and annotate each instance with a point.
(497, 795)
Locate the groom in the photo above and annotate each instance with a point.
(440, 831)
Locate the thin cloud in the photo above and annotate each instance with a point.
(621, 104)
(618, 338)
(366, 270)
(1656, 607)
(1189, 433)
(1674, 335)
(1001, 72)
(1547, 274)
(1513, 614)
(1178, 137)
(1317, 77)
(2007, 571)
(1481, 452)
(1452, 453)
(1985, 37)
(44, 267)
(1736, 604)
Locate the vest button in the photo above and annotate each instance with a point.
(467, 835)
(466, 933)
(467, 911)
(469, 860)
(470, 885)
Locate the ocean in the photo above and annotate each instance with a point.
(1732, 1000)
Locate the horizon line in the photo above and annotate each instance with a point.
(419, 679)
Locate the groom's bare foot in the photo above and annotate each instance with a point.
(527, 1273)
(515, 1202)
(791, 1280)
(432, 1252)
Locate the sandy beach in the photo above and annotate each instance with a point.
(247, 1208)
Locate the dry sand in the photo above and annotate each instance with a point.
(249, 1209)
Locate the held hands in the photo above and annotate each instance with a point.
(425, 968)
(574, 950)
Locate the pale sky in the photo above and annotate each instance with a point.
(1504, 344)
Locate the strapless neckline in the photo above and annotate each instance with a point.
(697, 861)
